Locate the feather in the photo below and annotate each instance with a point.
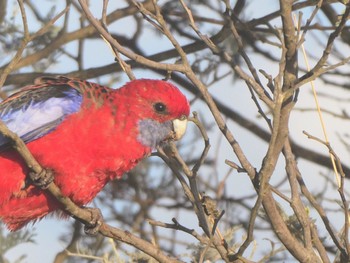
(87, 134)
(35, 112)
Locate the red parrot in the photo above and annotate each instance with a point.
(86, 134)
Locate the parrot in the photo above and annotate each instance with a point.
(86, 134)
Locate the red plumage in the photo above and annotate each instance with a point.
(90, 147)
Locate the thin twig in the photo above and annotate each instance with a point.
(26, 40)
(126, 52)
(205, 137)
(177, 226)
(341, 193)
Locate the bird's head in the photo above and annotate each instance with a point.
(160, 108)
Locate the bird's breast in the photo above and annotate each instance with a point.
(88, 150)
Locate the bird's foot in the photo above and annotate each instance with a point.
(95, 222)
(42, 179)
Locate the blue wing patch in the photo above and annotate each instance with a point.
(33, 113)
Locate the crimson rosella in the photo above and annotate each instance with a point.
(86, 134)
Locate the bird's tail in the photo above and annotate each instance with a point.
(18, 212)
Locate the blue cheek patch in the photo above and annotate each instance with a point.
(152, 133)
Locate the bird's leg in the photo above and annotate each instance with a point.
(42, 179)
(45, 177)
(95, 222)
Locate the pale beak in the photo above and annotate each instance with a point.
(179, 126)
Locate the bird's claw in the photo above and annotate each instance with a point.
(94, 225)
(42, 179)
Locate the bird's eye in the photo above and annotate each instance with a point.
(159, 107)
